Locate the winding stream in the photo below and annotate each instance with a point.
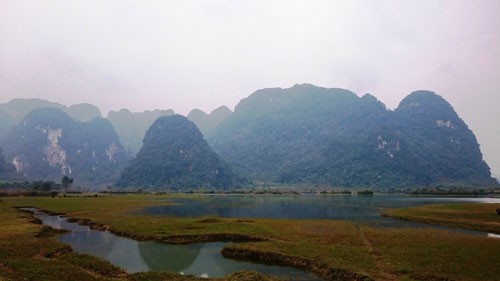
(199, 259)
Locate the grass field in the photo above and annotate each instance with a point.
(475, 216)
(338, 249)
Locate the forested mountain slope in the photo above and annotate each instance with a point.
(175, 155)
(308, 134)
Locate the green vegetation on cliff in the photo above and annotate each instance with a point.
(48, 145)
(308, 134)
(175, 155)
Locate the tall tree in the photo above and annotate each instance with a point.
(66, 182)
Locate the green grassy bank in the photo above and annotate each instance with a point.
(475, 216)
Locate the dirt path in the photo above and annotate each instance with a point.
(383, 272)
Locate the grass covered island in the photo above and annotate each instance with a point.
(335, 250)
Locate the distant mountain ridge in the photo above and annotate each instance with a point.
(14, 111)
(49, 144)
(207, 123)
(299, 135)
(131, 126)
(308, 134)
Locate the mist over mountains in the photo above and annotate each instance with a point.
(13, 112)
(131, 126)
(300, 135)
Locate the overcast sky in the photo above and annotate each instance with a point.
(202, 54)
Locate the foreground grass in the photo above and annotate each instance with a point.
(24, 256)
(383, 254)
(431, 254)
(28, 251)
(475, 216)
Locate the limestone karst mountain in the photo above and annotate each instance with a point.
(14, 111)
(300, 135)
(49, 144)
(131, 126)
(308, 134)
(175, 155)
(208, 122)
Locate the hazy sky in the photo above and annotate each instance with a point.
(202, 54)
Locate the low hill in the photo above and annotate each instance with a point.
(175, 155)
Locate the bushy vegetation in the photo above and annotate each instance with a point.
(7, 171)
(440, 191)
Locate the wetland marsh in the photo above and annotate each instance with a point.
(338, 248)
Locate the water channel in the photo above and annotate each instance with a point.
(198, 259)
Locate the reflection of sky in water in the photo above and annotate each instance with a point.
(343, 207)
(210, 258)
(365, 209)
(200, 259)
(120, 251)
(299, 207)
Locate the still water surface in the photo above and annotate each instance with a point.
(200, 259)
(303, 206)
(362, 209)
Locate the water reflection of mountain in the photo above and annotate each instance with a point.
(201, 259)
(166, 257)
(120, 251)
(97, 243)
(348, 207)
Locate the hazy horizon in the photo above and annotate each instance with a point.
(183, 55)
